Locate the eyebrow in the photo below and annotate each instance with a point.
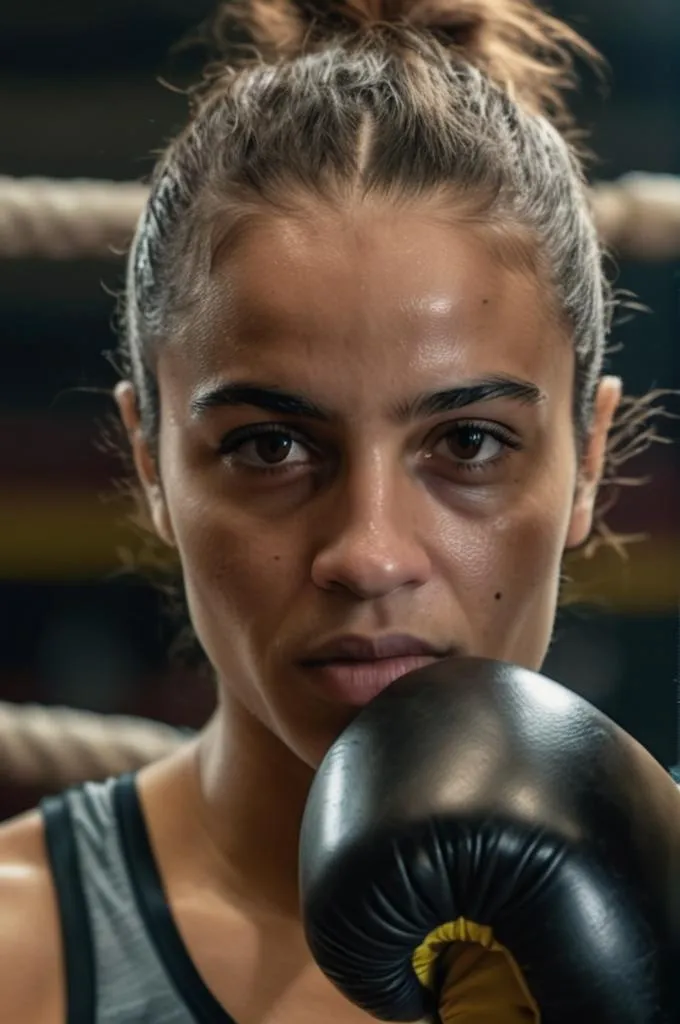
(288, 403)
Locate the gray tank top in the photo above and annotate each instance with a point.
(124, 958)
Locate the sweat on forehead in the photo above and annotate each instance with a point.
(414, 277)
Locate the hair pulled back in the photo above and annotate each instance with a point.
(337, 101)
(394, 97)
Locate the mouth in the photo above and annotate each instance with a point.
(353, 670)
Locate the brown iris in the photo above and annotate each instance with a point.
(273, 448)
(466, 441)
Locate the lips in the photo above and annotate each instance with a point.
(355, 669)
(361, 648)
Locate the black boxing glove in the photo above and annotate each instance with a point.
(475, 803)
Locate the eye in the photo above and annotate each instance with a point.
(474, 445)
(270, 449)
(264, 447)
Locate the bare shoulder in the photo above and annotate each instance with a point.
(30, 942)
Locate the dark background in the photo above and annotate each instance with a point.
(80, 97)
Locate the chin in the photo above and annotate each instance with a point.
(311, 747)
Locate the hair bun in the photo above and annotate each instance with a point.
(525, 50)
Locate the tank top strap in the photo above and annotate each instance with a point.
(76, 935)
(155, 910)
(125, 961)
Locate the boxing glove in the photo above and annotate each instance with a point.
(476, 812)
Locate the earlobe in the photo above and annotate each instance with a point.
(145, 464)
(160, 516)
(581, 521)
(593, 462)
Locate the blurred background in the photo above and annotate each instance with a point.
(81, 96)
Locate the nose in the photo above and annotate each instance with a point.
(371, 546)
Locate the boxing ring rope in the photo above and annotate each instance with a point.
(61, 746)
(61, 220)
(638, 217)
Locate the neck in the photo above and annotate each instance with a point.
(250, 793)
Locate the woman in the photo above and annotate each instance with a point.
(363, 341)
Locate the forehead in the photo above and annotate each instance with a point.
(372, 293)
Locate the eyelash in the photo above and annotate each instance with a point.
(231, 442)
(504, 437)
(239, 437)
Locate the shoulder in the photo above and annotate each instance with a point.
(30, 941)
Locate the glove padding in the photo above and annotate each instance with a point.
(480, 982)
(477, 800)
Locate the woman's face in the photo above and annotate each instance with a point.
(366, 431)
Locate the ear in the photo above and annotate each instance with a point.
(145, 464)
(592, 462)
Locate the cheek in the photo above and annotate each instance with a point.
(509, 576)
(238, 577)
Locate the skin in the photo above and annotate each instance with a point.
(372, 523)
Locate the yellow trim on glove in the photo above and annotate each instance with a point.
(482, 982)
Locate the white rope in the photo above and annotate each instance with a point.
(638, 216)
(57, 746)
(67, 219)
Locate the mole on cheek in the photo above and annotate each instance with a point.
(497, 595)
